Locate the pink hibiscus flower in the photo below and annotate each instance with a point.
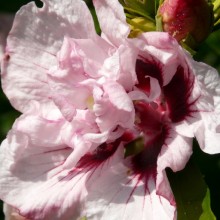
(85, 99)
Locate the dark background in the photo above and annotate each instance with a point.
(209, 165)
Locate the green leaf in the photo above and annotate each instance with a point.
(139, 25)
(207, 212)
(188, 44)
(157, 5)
(145, 8)
(216, 4)
(95, 19)
(216, 10)
(134, 147)
(190, 191)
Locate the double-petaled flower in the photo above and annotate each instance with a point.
(102, 116)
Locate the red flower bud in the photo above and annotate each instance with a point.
(183, 17)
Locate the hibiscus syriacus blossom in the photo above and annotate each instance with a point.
(86, 100)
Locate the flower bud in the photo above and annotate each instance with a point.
(184, 18)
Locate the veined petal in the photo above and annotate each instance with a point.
(208, 85)
(207, 130)
(32, 46)
(117, 195)
(39, 187)
(119, 190)
(115, 29)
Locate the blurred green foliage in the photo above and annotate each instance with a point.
(209, 165)
(209, 51)
(191, 193)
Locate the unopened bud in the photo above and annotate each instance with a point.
(184, 18)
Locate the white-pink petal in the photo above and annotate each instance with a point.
(113, 107)
(207, 130)
(120, 67)
(174, 154)
(112, 20)
(117, 193)
(11, 213)
(33, 44)
(41, 131)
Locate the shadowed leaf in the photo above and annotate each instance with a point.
(191, 194)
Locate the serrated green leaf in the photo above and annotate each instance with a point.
(207, 212)
(134, 147)
(190, 192)
(84, 218)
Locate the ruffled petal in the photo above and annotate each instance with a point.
(32, 46)
(207, 131)
(161, 52)
(76, 63)
(120, 67)
(37, 186)
(113, 101)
